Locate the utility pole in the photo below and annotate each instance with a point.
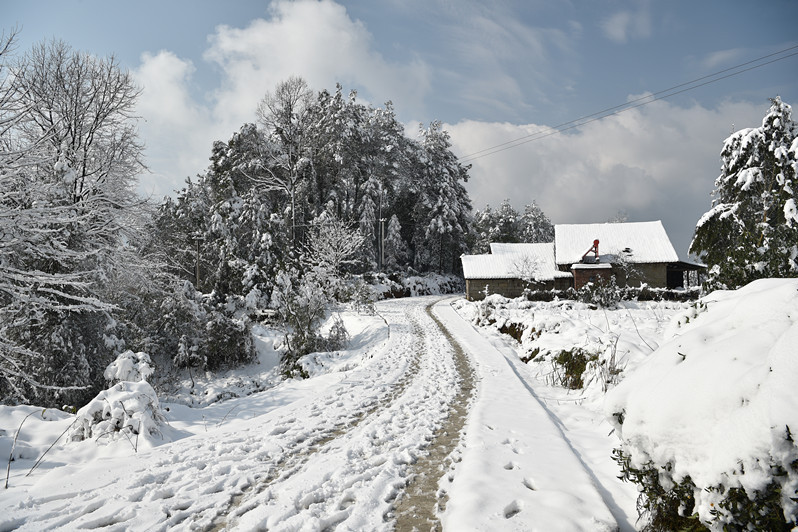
(382, 243)
(197, 238)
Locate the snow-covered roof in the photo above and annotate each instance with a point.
(513, 261)
(647, 242)
(541, 250)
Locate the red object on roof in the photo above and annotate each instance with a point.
(594, 250)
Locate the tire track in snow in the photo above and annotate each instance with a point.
(361, 474)
(291, 463)
(417, 509)
(188, 483)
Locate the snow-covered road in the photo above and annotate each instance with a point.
(373, 447)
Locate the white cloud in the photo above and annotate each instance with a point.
(503, 62)
(625, 25)
(722, 57)
(313, 39)
(176, 129)
(656, 162)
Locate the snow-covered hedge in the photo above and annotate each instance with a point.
(402, 285)
(708, 424)
(126, 410)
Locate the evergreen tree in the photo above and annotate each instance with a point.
(508, 227)
(535, 225)
(751, 231)
(484, 231)
(443, 210)
(395, 246)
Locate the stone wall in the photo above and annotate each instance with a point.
(510, 288)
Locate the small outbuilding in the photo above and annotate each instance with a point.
(511, 268)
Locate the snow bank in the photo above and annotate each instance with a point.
(717, 402)
(611, 341)
(34, 429)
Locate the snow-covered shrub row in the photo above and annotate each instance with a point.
(405, 285)
(196, 330)
(708, 423)
(573, 344)
(127, 410)
(627, 293)
(433, 284)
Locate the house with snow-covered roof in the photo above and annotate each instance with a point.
(634, 253)
(511, 268)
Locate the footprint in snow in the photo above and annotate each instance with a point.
(512, 509)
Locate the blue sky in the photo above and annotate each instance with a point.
(492, 71)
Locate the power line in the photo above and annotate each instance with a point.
(633, 104)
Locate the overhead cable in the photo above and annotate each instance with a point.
(635, 103)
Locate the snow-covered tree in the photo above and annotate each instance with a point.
(505, 224)
(332, 246)
(368, 223)
(286, 113)
(443, 210)
(751, 231)
(535, 225)
(484, 231)
(395, 247)
(69, 159)
(301, 304)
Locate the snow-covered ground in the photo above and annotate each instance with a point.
(344, 447)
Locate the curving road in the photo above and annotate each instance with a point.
(398, 442)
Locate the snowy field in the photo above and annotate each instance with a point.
(425, 419)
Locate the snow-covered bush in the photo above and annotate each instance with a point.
(707, 424)
(127, 409)
(129, 366)
(411, 284)
(301, 306)
(196, 330)
(227, 342)
(337, 338)
(605, 294)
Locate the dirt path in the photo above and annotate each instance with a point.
(406, 434)
(417, 509)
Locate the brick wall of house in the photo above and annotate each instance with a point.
(582, 276)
